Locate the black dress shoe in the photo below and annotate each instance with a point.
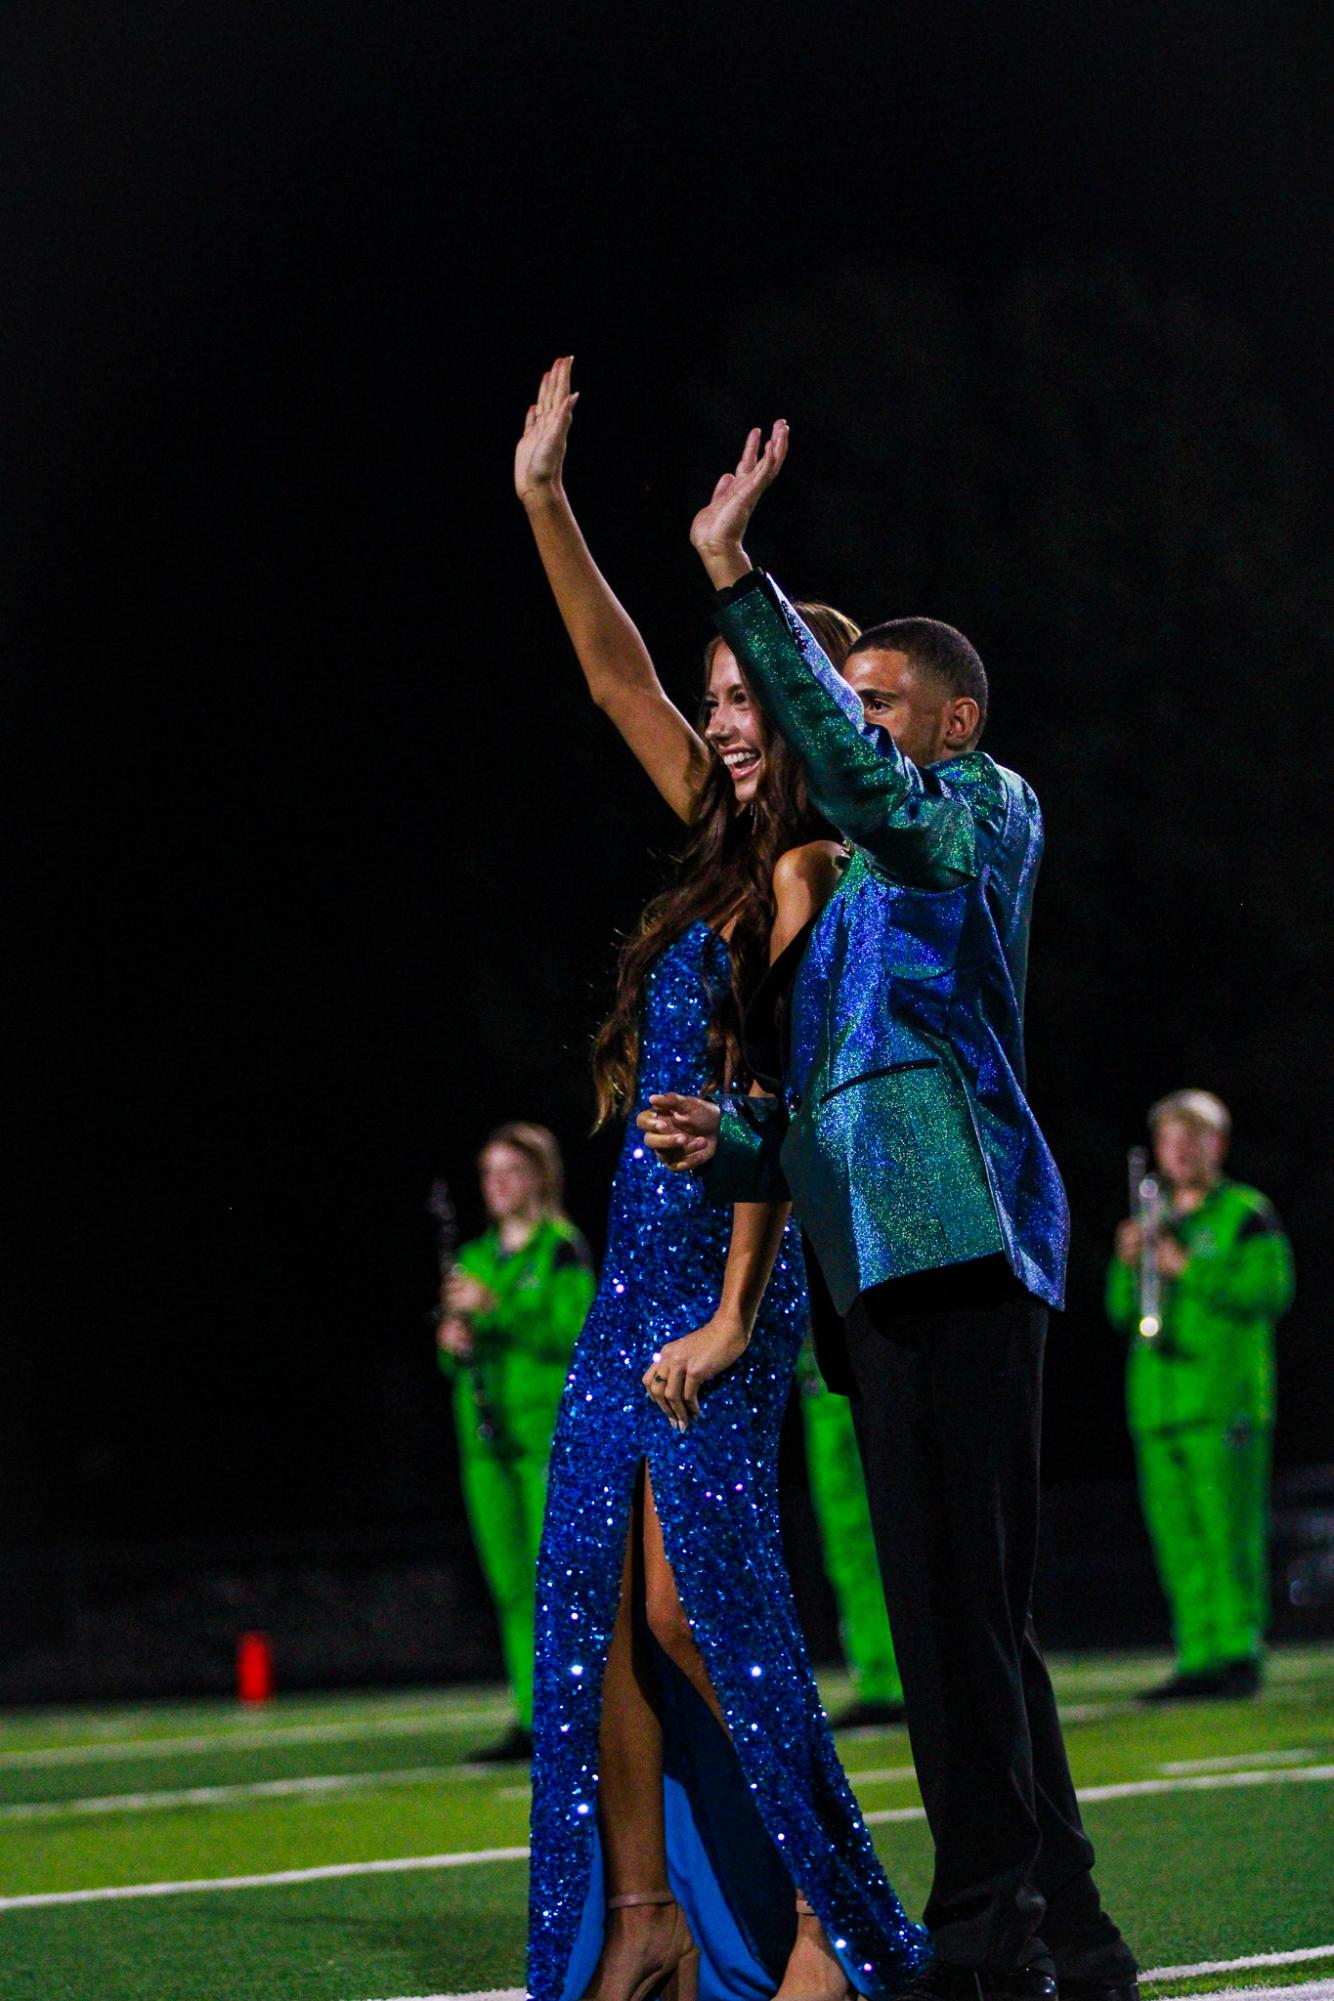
(869, 1716)
(514, 1748)
(943, 1982)
(1099, 1990)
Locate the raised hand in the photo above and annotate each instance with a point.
(540, 452)
(718, 531)
(683, 1132)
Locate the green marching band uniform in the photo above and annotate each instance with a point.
(505, 1401)
(1200, 1398)
(838, 1494)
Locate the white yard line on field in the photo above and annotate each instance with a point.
(314, 1783)
(1239, 1761)
(1308, 1990)
(278, 1879)
(485, 1994)
(1304, 1990)
(1204, 1782)
(330, 1782)
(465, 1858)
(1094, 1712)
(250, 1739)
(1251, 1965)
(1130, 1789)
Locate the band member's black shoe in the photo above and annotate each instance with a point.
(943, 1982)
(869, 1716)
(514, 1748)
(1234, 1682)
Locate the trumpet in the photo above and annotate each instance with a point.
(1146, 1206)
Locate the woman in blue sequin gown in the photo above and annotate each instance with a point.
(666, 1623)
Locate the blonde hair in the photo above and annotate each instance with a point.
(539, 1145)
(1198, 1108)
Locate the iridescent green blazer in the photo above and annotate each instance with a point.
(903, 1136)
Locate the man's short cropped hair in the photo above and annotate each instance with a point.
(937, 650)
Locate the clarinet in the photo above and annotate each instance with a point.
(440, 1206)
(1146, 1206)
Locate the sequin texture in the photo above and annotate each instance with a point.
(717, 1497)
(912, 1143)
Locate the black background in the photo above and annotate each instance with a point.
(317, 850)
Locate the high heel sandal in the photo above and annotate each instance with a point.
(676, 1977)
(844, 1991)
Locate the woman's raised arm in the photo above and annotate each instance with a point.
(621, 677)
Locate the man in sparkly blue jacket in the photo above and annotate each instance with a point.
(901, 1129)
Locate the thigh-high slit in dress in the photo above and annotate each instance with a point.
(746, 1822)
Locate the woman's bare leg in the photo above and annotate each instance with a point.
(812, 1972)
(634, 1843)
(667, 1619)
(630, 1745)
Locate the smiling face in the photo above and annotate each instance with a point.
(511, 1182)
(926, 721)
(732, 724)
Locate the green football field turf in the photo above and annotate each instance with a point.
(1214, 1825)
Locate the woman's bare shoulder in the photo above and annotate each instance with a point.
(815, 866)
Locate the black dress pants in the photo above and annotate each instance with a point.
(946, 1370)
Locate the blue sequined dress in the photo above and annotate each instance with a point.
(743, 1826)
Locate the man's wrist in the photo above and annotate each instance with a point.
(726, 564)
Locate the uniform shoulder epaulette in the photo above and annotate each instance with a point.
(1262, 1219)
(572, 1250)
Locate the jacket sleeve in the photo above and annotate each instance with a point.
(904, 818)
(1255, 1281)
(745, 1166)
(1120, 1301)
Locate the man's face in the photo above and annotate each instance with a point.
(1189, 1155)
(919, 714)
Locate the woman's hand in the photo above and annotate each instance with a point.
(454, 1337)
(718, 531)
(683, 1132)
(677, 1374)
(540, 452)
(465, 1294)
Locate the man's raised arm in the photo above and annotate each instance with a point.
(902, 817)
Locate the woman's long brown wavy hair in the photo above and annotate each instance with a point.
(725, 869)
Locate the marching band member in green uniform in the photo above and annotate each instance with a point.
(512, 1307)
(838, 1495)
(1200, 1395)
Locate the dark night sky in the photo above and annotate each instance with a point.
(317, 854)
